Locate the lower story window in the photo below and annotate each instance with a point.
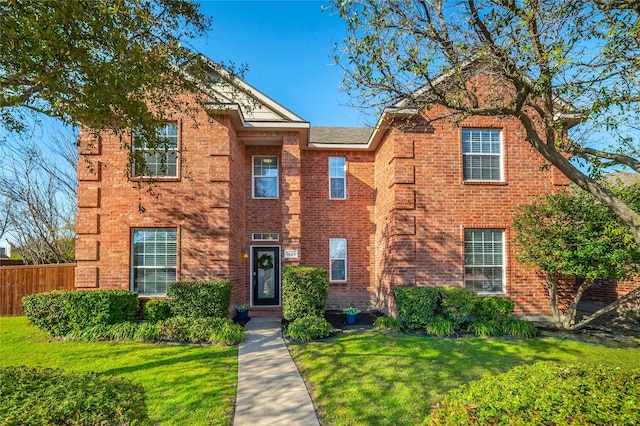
(338, 259)
(154, 254)
(484, 260)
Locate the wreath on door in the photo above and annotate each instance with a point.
(265, 262)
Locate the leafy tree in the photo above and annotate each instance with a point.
(537, 52)
(110, 65)
(572, 233)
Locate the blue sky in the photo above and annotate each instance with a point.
(289, 48)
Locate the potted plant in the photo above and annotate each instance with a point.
(351, 313)
(242, 311)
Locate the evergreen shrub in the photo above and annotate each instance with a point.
(157, 310)
(308, 328)
(416, 305)
(545, 394)
(200, 299)
(45, 396)
(305, 291)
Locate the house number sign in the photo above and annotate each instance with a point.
(291, 254)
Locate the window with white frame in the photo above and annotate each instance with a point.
(484, 268)
(337, 178)
(338, 259)
(265, 177)
(153, 260)
(482, 154)
(162, 160)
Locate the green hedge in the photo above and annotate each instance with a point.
(60, 312)
(305, 291)
(157, 310)
(43, 396)
(200, 299)
(416, 305)
(545, 394)
(309, 328)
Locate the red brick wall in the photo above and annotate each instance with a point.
(423, 207)
(197, 204)
(352, 218)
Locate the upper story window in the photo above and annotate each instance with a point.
(161, 161)
(337, 178)
(153, 260)
(484, 267)
(338, 259)
(265, 177)
(482, 154)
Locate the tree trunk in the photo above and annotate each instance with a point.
(608, 308)
(552, 283)
(573, 308)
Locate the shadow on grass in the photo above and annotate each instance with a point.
(395, 378)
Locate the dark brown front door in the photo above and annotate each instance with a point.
(265, 276)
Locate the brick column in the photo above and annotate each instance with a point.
(291, 225)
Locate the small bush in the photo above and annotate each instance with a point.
(485, 327)
(157, 310)
(493, 307)
(309, 328)
(440, 327)
(175, 329)
(200, 329)
(60, 312)
(518, 328)
(545, 394)
(147, 332)
(200, 299)
(457, 304)
(305, 291)
(416, 305)
(39, 396)
(227, 334)
(387, 323)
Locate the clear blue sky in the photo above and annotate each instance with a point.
(289, 48)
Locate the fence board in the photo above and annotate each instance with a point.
(19, 281)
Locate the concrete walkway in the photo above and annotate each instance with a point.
(270, 389)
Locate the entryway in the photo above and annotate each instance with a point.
(265, 276)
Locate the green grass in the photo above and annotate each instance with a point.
(394, 379)
(184, 384)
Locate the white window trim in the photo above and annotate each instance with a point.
(346, 255)
(253, 177)
(176, 150)
(344, 180)
(132, 268)
(504, 261)
(500, 155)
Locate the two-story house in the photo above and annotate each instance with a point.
(241, 192)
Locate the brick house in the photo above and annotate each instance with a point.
(240, 193)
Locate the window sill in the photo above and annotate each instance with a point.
(155, 179)
(338, 282)
(485, 182)
(491, 294)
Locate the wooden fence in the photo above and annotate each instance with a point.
(19, 281)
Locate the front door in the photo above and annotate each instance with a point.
(265, 276)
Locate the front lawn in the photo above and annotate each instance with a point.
(366, 378)
(184, 384)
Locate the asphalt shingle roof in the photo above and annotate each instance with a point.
(339, 135)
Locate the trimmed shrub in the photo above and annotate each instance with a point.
(175, 329)
(38, 396)
(457, 304)
(46, 311)
(200, 299)
(416, 305)
(157, 310)
(60, 312)
(309, 328)
(305, 291)
(387, 323)
(493, 307)
(227, 334)
(545, 394)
